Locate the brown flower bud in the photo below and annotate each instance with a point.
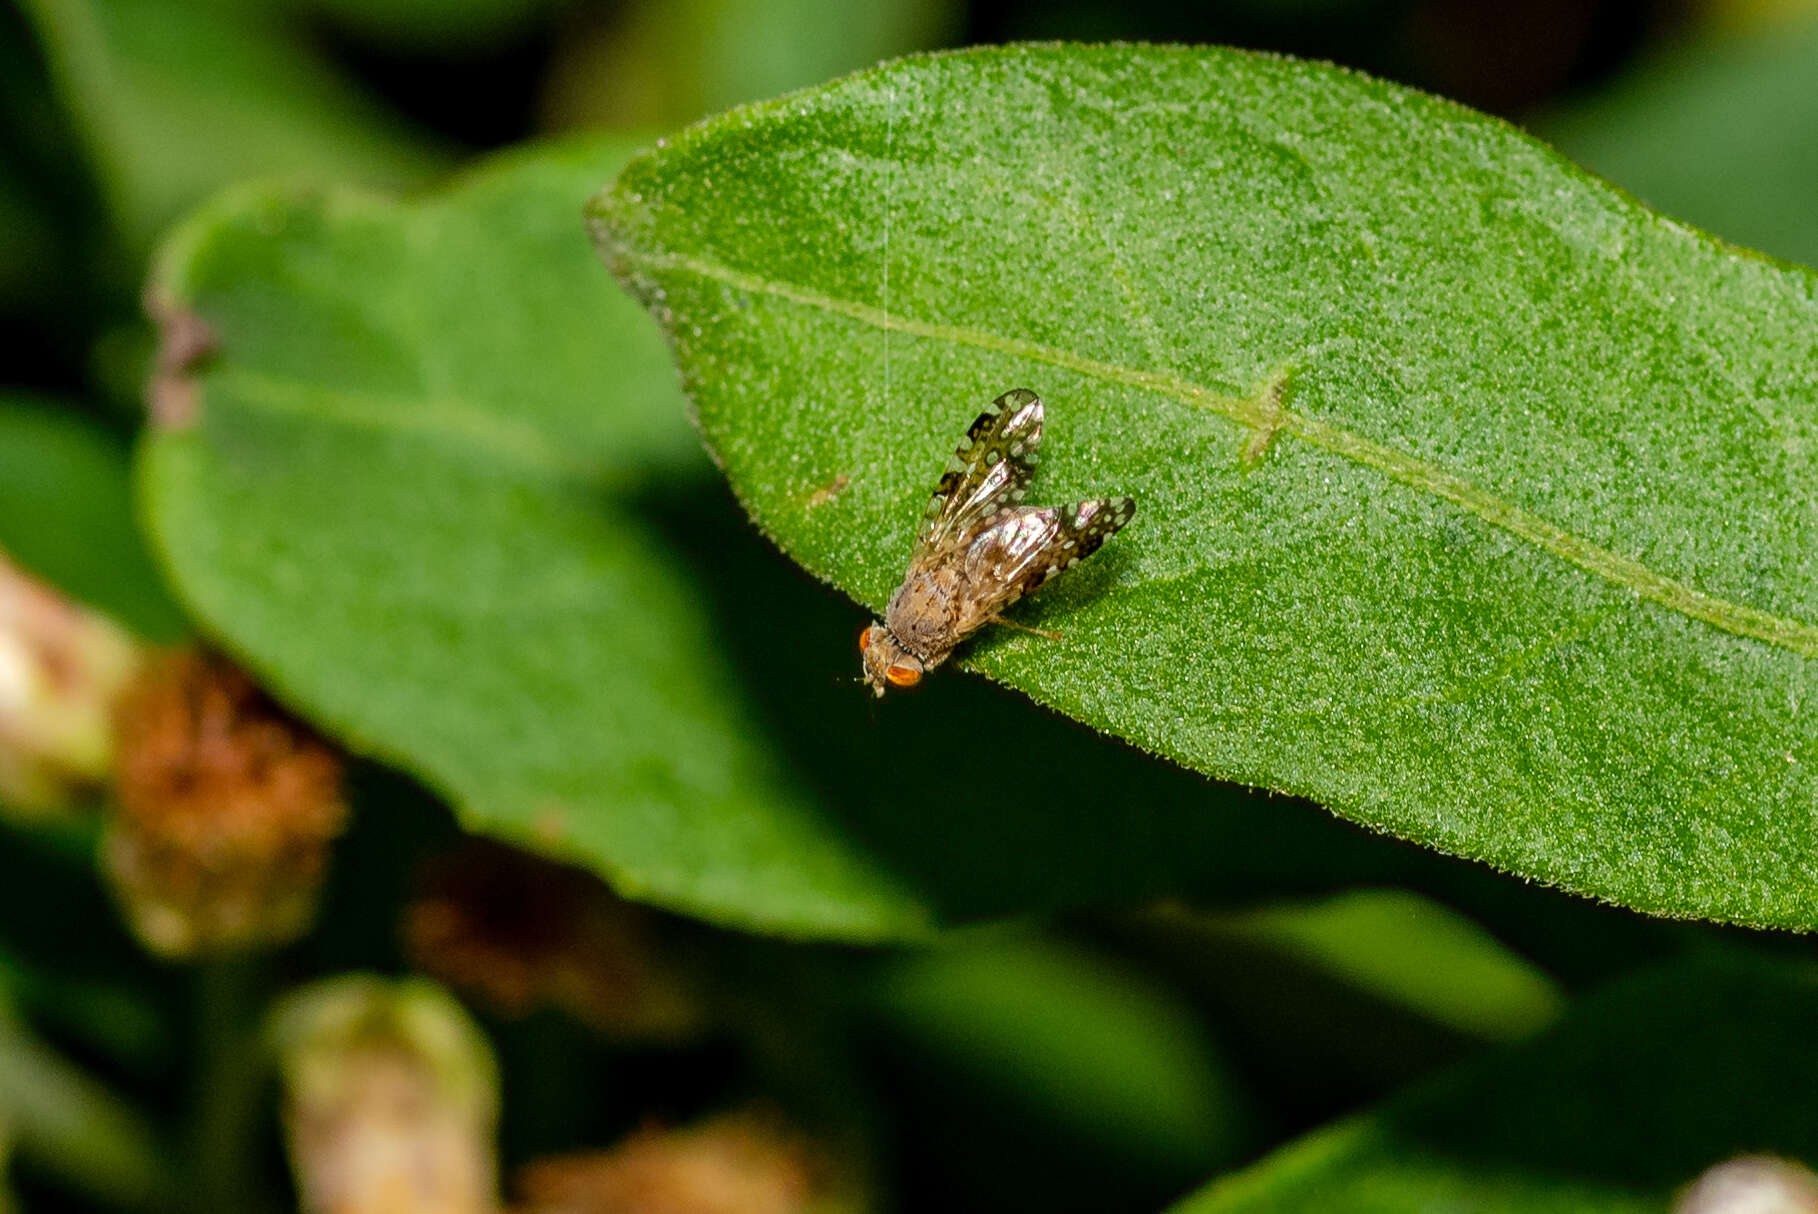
(225, 810)
(519, 932)
(61, 667)
(1752, 1184)
(744, 1162)
(391, 1099)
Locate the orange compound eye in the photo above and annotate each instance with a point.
(903, 676)
(865, 637)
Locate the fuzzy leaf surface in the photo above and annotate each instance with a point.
(1475, 499)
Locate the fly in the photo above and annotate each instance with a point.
(978, 549)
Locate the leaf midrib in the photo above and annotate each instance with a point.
(1263, 413)
(483, 432)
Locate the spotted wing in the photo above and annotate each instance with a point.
(988, 474)
(1029, 545)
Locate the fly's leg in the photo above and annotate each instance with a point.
(1010, 623)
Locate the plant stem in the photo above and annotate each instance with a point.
(231, 1081)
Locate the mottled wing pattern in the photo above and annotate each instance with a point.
(1024, 547)
(988, 474)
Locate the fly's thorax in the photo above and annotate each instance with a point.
(923, 610)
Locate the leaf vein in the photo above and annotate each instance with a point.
(472, 427)
(1261, 413)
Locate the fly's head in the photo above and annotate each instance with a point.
(887, 663)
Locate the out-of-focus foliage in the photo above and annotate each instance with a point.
(480, 600)
(654, 64)
(72, 1125)
(1405, 949)
(1051, 1060)
(1721, 133)
(176, 98)
(424, 28)
(29, 235)
(1722, 17)
(66, 514)
(1621, 1105)
(55, 250)
(351, 478)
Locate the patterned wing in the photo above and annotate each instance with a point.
(1032, 544)
(988, 474)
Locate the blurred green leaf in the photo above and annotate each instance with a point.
(176, 98)
(115, 1018)
(406, 504)
(1023, 1041)
(1407, 950)
(25, 235)
(1722, 133)
(442, 497)
(58, 922)
(65, 1121)
(655, 64)
(54, 242)
(1474, 498)
(66, 514)
(1635, 1093)
(414, 27)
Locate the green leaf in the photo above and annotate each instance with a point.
(1686, 130)
(1639, 1090)
(1047, 1068)
(109, 1016)
(442, 496)
(405, 502)
(176, 98)
(415, 28)
(75, 1127)
(26, 234)
(1406, 950)
(660, 63)
(1474, 499)
(66, 515)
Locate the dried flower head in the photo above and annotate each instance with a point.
(520, 932)
(226, 806)
(61, 668)
(744, 1162)
(391, 1099)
